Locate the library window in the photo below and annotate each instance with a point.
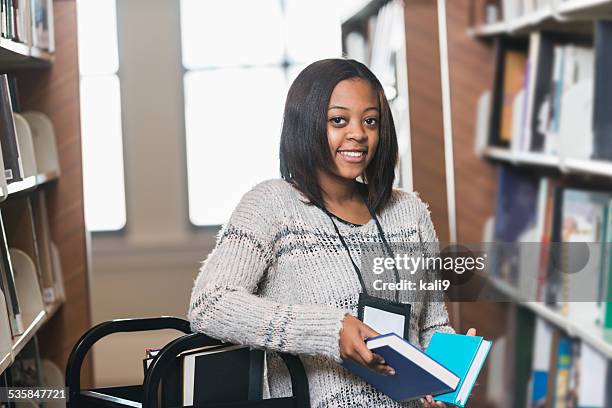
(235, 87)
(101, 133)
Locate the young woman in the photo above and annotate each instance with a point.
(282, 276)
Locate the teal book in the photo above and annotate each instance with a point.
(464, 356)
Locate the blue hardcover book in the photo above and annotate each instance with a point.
(463, 355)
(416, 374)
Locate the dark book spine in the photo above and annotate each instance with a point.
(8, 135)
(602, 109)
(542, 88)
(16, 26)
(3, 17)
(556, 257)
(8, 284)
(14, 93)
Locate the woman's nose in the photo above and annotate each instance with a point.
(357, 132)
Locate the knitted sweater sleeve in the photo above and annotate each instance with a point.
(434, 316)
(224, 303)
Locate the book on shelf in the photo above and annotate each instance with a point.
(7, 279)
(542, 344)
(26, 369)
(605, 304)
(42, 24)
(509, 80)
(220, 374)
(42, 236)
(13, 167)
(563, 363)
(603, 92)
(514, 79)
(515, 213)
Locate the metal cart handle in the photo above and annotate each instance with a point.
(164, 359)
(85, 343)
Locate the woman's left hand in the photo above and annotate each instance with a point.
(428, 401)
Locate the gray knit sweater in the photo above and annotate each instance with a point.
(280, 279)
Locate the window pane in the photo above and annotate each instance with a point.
(231, 33)
(102, 153)
(313, 30)
(293, 71)
(97, 34)
(233, 122)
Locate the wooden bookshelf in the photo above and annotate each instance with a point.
(576, 17)
(18, 55)
(599, 338)
(589, 167)
(49, 83)
(31, 182)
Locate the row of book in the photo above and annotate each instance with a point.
(541, 366)
(30, 370)
(563, 237)
(28, 21)
(513, 9)
(27, 139)
(551, 96)
(567, 371)
(30, 270)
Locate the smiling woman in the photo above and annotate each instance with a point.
(284, 274)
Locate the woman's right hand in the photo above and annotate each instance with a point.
(353, 346)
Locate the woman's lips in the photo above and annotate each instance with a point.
(352, 156)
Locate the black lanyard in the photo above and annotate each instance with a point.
(385, 244)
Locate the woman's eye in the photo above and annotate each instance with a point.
(371, 121)
(338, 120)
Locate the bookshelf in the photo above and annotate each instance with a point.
(48, 86)
(558, 15)
(472, 63)
(600, 339)
(551, 33)
(568, 165)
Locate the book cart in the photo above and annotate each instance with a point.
(163, 371)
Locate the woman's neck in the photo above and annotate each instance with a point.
(337, 190)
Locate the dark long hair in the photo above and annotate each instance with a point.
(304, 148)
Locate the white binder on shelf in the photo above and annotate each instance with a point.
(26, 146)
(43, 136)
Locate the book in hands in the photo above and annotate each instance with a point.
(464, 356)
(447, 370)
(416, 373)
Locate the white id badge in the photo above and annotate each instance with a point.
(384, 316)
